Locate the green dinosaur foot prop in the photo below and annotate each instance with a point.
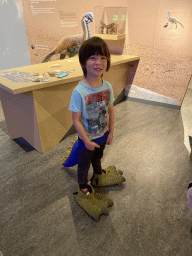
(111, 177)
(94, 204)
(105, 199)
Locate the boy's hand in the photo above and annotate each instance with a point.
(109, 138)
(91, 145)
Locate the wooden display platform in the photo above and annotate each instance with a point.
(111, 36)
(38, 111)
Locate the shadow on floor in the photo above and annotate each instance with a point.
(24, 144)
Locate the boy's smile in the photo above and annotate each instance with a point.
(96, 65)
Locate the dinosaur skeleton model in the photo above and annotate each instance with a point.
(102, 26)
(173, 20)
(110, 29)
(69, 45)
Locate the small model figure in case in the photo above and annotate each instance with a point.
(110, 20)
(110, 29)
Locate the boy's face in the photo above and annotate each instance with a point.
(96, 65)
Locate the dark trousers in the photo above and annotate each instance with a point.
(87, 157)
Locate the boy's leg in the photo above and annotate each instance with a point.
(96, 159)
(111, 177)
(85, 157)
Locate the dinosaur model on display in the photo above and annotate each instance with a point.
(173, 20)
(69, 45)
(110, 28)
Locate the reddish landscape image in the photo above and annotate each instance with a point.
(161, 72)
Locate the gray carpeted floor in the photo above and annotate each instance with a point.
(150, 216)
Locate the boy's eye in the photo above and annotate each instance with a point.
(93, 58)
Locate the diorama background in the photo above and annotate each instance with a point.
(165, 54)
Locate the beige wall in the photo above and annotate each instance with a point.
(165, 66)
(166, 54)
(52, 24)
(142, 16)
(145, 21)
(146, 25)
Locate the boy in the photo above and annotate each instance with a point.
(93, 117)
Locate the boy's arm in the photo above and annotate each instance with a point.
(81, 131)
(111, 113)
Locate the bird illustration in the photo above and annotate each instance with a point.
(173, 20)
(69, 45)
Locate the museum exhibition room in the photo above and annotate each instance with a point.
(95, 128)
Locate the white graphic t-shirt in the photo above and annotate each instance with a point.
(93, 104)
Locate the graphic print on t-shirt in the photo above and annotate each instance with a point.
(96, 108)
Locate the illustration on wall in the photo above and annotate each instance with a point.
(173, 20)
(51, 27)
(69, 45)
(174, 27)
(163, 41)
(163, 44)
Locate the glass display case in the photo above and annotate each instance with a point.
(110, 22)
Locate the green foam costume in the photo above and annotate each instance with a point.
(94, 204)
(110, 177)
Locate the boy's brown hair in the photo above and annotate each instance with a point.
(93, 46)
